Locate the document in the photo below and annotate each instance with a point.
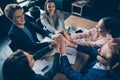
(71, 54)
(41, 66)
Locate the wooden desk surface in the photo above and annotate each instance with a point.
(79, 22)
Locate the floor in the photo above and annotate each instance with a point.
(5, 51)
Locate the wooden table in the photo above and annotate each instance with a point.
(79, 22)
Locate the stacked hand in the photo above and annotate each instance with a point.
(66, 36)
(56, 43)
(62, 40)
(63, 45)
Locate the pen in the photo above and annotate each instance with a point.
(46, 67)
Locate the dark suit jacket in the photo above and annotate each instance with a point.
(21, 41)
(90, 73)
(51, 73)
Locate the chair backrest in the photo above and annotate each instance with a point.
(38, 22)
(12, 46)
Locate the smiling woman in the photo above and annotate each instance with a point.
(52, 19)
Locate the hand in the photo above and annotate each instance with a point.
(70, 44)
(56, 44)
(63, 45)
(55, 36)
(58, 31)
(66, 36)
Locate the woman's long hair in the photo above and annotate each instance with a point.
(16, 67)
(111, 23)
(48, 1)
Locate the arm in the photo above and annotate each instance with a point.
(65, 65)
(67, 69)
(46, 23)
(99, 43)
(51, 73)
(41, 53)
(40, 30)
(24, 43)
(96, 44)
(83, 35)
(89, 50)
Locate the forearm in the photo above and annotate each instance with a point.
(67, 69)
(82, 35)
(87, 43)
(41, 53)
(51, 73)
(88, 50)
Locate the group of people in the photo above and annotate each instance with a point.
(103, 46)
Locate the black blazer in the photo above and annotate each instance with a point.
(21, 41)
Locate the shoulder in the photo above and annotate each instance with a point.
(44, 14)
(13, 29)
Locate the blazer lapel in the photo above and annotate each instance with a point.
(19, 32)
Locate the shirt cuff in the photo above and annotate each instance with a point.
(50, 35)
(64, 54)
(76, 46)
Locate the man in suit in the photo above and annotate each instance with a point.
(103, 64)
(23, 33)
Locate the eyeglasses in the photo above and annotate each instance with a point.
(99, 50)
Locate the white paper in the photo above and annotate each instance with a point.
(41, 64)
(71, 54)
